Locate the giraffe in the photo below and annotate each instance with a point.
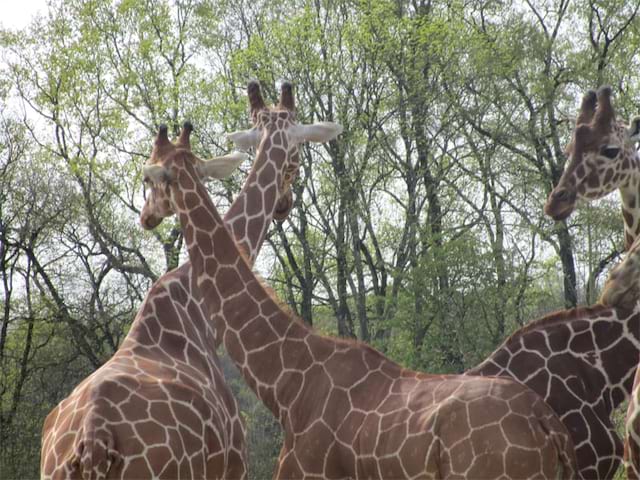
(346, 410)
(178, 297)
(601, 158)
(622, 290)
(582, 362)
(160, 406)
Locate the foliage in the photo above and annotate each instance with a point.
(420, 230)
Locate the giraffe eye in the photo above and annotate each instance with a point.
(610, 152)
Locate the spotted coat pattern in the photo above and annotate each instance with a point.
(346, 410)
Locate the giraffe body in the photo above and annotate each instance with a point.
(158, 408)
(346, 410)
(602, 157)
(582, 362)
(180, 306)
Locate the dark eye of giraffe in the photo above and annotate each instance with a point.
(610, 152)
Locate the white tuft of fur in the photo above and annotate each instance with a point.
(221, 167)
(245, 139)
(317, 132)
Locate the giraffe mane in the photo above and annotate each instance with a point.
(557, 318)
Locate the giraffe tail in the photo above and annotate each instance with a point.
(95, 452)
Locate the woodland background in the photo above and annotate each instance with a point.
(422, 232)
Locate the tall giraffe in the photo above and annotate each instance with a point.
(601, 158)
(178, 298)
(160, 406)
(346, 410)
(582, 362)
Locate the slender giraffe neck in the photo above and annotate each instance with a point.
(630, 195)
(253, 210)
(260, 337)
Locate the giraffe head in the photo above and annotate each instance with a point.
(600, 155)
(622, 288)
(157, 172)
(277, 134)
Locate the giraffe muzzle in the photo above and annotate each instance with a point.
(560, 204)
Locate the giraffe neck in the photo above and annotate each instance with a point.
(630, 196)
(251, 213)
(264, 342)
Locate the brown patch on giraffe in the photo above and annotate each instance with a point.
(298, 355)
(267, 363)
(170, 470)
(251, 336)
(137, 468)
(392, 403)
(310, 443)
(353, 422)
(254, 225)
(390, 467)
(337, 459)
(160, 412)
(151, 432)
(526, 462)
(362, 396)
(234, 347)
(398, 417)
(488, 465)
(608, 176)
(481, 412)
(288, 387)
(343, 367)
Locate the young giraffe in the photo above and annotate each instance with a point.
(622, 290)
(582, 362)
(346, 410)
(601, 157)
(160, 406)
(249, 217)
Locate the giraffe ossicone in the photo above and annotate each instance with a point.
(346, 410)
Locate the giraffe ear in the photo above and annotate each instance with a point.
(245, 139)
(634, 129)
(316, 132)
(221, 167)
(155, 174)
